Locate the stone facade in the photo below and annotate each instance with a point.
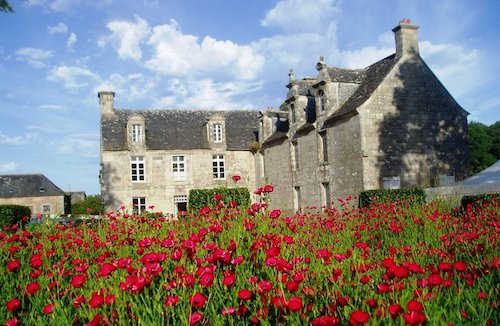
(154, 157)
(390, 125)
(34, 191)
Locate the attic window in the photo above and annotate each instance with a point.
(42, 189)
(217, 132)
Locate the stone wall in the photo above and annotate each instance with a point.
(36, 204)
(159, 187)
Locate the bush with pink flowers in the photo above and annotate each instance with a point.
(386, 264)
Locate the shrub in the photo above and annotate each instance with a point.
(199, 198)
(91, 204)
(477, 200)
(412, 195)
(12, 214)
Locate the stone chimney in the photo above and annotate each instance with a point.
(106, 101)
(406, 38)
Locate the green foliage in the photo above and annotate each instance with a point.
(5, 6)
(484, 145)
(12, 214)
(477, 200)
(407, 195)
(199, 198)
(91, 203)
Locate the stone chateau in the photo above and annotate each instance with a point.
(389, 125)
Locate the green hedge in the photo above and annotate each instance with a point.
(199, 198)
(412, 195)
(12, 214)
(477, 200)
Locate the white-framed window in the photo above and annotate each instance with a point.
(326, 193)
(179, 167)
(218, 167)
(324, 147)
(139, 204)
(137, 168)
(180, 203)
(46, 208)
(217, 132)
(136, 133)
(295, 155)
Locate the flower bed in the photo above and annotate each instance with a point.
(386, 264)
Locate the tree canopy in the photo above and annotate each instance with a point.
(484, 145)
(5, 6)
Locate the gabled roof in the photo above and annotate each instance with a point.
(180, 129)
(374, 75)
(27, 185)
(352, 76)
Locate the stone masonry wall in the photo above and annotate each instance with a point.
(36, 204)
(278, 173)
(159, 187)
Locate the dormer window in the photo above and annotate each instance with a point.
(217, 132)
(136, 133)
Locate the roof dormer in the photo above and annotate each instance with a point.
(136, 132)
(216, 131)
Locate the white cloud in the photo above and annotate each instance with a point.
(59, 28)
(8, 167)
(71, 40)
(18, 140)
(181, 54)
(130, 87)
(52, 107)
(37, 58)
(83, 145)
(72, 77)
(129, 35)
(301, 15)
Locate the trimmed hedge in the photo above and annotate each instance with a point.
(477, 200)
(412, 195)
(199, 198)
(12, 214)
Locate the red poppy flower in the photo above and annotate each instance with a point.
(236, 178)
(295, 304)
(414, 318)
(395, 309)
(217, 197)
(13, 266)
(109, 299)
(32, 288)
(47, 310)
(414, 305)
(197, 300)
(13, 304)
(358, 317)
(268, 188)
(36, 261)
(325, 321)
(97, 300)
(171, 301)
(460, 266)
(264, 286)
(207, 279)
(13, 322)
(229, 278)
(78, 281)
(195, 318)
(275, 214)
(245, 294)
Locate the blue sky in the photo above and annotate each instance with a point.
(55, 55)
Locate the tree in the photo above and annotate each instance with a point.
(5, 6)
(90, 205)
(481, 146)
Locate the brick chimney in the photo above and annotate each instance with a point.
(106, 101)
(406, 38)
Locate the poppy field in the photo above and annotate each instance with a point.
(390, 264)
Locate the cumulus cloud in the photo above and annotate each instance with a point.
(72, 77)
(300, 15)
(181, 54)
(17, 140)
(130, 87)
(71, 40)
(36, 58)
(129, 36)
(8, 167)
(59, 28)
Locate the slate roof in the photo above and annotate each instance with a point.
(353, 76)
(374, 75)
(27, 185)
(180, 129)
